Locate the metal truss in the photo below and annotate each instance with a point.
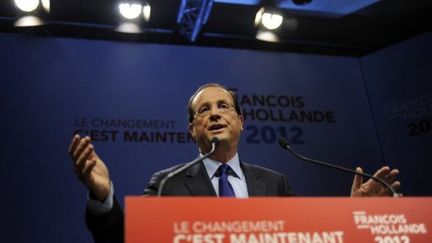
(192, 15)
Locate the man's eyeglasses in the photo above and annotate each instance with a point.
(220, 107)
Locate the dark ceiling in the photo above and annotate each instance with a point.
(358, 33)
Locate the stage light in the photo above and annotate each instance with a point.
(267, 35)
(130, 10)
(134, 15)
(27, 5)
(28, 21)
(46, 5)
(30, 13)
(269, 19)
(258, 16)
(131, 28)
(146, 11)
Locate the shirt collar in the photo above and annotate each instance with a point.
(212, 165)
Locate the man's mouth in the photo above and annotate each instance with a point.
(216, 127)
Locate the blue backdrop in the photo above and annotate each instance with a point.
(399, 85)
(131, 98)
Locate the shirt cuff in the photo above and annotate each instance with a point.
(99, 208)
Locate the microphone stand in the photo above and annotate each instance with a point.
(284, 144)
(214, 143)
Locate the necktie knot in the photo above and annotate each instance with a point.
(224, 169)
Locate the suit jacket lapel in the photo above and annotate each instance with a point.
(198, 182)
(256, 186)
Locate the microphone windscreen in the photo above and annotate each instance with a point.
(283, 142)
(215, 140)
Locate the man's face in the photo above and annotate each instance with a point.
(215, 116)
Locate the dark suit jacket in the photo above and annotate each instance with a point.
(192, 182)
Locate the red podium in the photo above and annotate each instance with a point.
(278, 220)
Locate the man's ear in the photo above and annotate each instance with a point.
(242, 121)
(192, 131)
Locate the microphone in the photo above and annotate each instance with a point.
(284, 144)
(214, 142)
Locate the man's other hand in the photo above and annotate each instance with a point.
(89, 168)
(372, 188)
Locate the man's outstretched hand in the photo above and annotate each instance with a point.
(89, 168)
(372, 188)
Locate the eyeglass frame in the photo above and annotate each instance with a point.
(223, 110)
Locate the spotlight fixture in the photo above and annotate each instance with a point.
(133, 15)
(130, 10)
(30, 12)
(146, 10)
(267, 35)
(271, 21)
(267, 21)
(27, 5)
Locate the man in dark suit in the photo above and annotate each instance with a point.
(213, 111)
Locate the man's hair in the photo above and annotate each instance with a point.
(191, 112)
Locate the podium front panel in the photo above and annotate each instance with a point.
(278, 220)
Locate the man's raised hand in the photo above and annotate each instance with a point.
(89, 168)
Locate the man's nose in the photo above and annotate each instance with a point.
(214, 113)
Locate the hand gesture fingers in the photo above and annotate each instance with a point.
(83, 161)
(89, 168)
(79, 148)
(391, 176)
(74, 143)
(373, 187)
(358, 180)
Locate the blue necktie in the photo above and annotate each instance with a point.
(225, 188)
